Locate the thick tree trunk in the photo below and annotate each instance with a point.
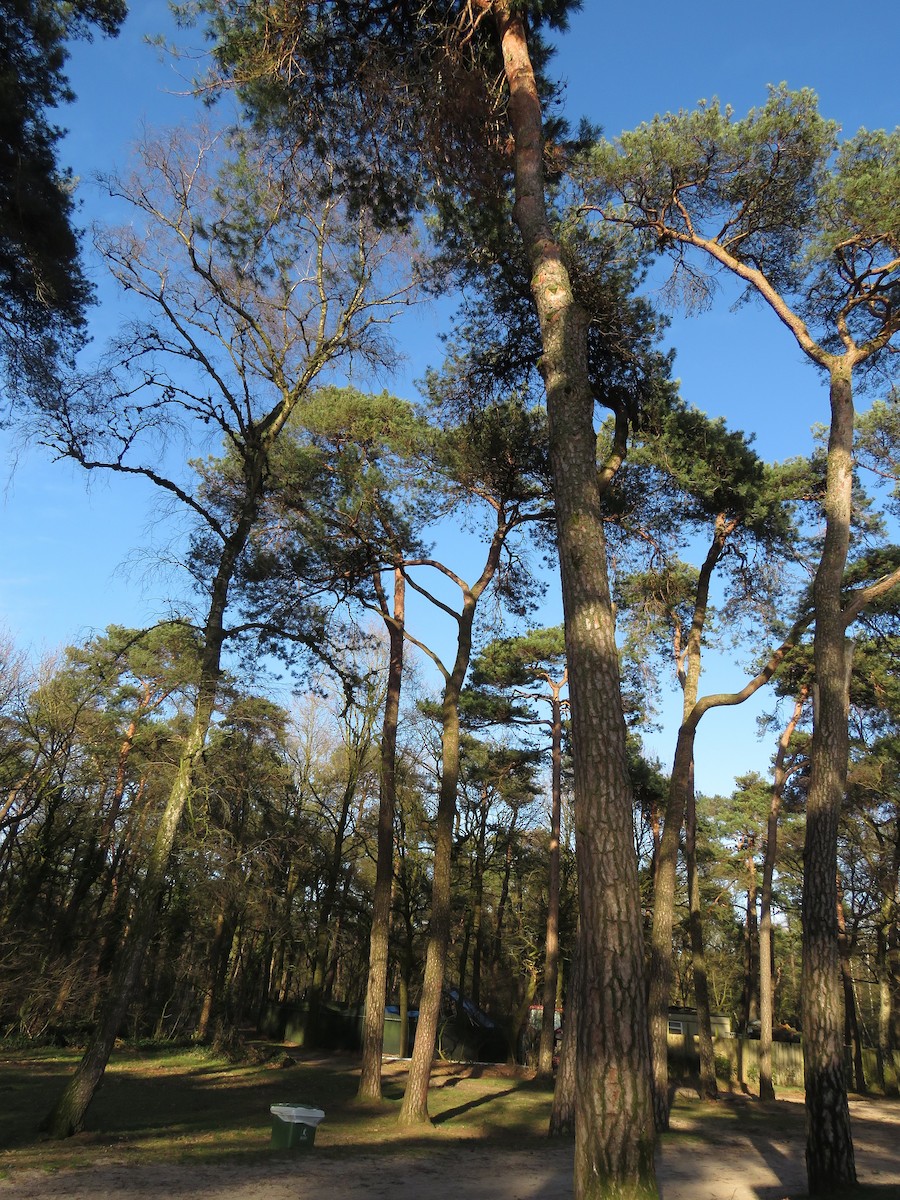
(614, 1140)
(376, 986)
(551, 951)
(829, 1144)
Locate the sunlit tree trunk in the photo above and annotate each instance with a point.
(614, 1139)
(829, 1145)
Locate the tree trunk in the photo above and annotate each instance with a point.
(414, 1110)
(851, 1021)
(324, 931)
(681, 786)
(562, 1113)
(68, 1115)
(766, 988)
(751, 943)
(614, 1141)
(216, 968)
(474, 932)
(376, 986)
(661, 964)
(707, 1089)
(829, 1144)
(551, 953)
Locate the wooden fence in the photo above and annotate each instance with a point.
(737, 1063)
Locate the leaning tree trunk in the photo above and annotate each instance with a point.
(414, 1110)
(68, 1115)
(829, 1144)
(376, 986)
(614, 1137)
(681, 786)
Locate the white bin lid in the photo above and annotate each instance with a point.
(296, 1114)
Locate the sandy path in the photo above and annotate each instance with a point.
(732, 1166)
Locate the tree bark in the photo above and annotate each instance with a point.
(414, 1110)
(829, 1145)
(376, 986)
(614, 1139)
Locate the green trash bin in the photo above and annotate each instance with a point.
(294, 1126)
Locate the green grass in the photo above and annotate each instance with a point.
(159, 1105)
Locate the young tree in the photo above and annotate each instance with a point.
(812, 228)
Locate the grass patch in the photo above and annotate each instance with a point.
(157, 1105)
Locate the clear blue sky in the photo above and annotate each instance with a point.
(64, 546)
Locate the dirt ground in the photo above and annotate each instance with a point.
(726, 1163)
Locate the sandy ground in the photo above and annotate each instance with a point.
(730, 1166)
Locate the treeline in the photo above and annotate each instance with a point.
(276, 860)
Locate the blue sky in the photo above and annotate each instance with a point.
(67, 563)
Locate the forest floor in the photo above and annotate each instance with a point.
(168, 1126)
